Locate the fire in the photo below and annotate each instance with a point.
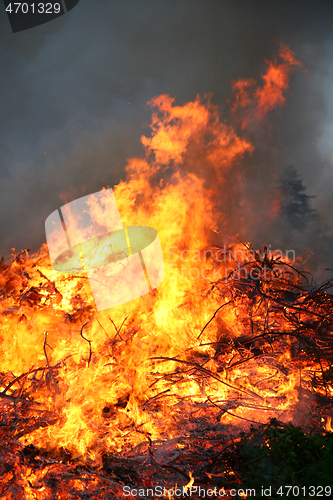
(190, 483)
(144, 372)
(276, 82)
(193, 129)
(271, 94)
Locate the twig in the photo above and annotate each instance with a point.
(50, 373)
(208, 372)
(100, 324)
(87, 340)
(211, 319)
(229, 413)
(15, 399)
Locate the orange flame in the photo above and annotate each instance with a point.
(276, 82)
(192, 132)
(271, 94)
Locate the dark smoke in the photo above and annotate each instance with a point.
(73, 108)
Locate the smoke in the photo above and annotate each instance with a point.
(74, 98)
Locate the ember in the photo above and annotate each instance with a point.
(95, 404)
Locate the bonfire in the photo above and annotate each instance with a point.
(157, 397)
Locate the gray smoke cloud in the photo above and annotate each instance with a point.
(74, 93)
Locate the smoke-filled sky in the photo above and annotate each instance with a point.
(74, 98)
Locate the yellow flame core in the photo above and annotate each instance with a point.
(190, 483)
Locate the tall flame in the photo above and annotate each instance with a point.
(271, 94)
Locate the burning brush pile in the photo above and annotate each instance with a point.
(203, 382)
